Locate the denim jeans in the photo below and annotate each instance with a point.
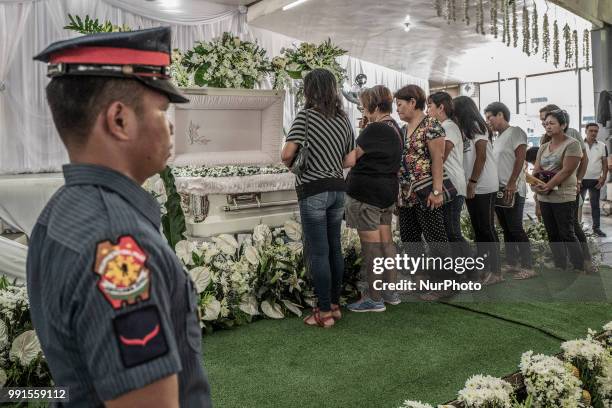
(516, 241)
(321, 216)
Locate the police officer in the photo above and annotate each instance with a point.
(113, 309)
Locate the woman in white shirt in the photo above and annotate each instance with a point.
(482, 183)
(440, 106)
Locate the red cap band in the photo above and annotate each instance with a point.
(110, 55)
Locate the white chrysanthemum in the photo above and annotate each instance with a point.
(25, 348)
(604, 381)
(550, 381)
(293, 230)
(184, 250)
(201, 276)
(486, 391)
(3, 334)
(587, 350)
(415, 404)
(3, 378)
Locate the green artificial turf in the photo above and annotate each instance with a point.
(422, 351)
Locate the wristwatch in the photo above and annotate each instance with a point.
(436, 193)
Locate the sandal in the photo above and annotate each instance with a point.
(318, 319)
(524, 274)
(492, 279)
(336, 312)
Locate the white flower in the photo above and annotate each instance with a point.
(587, 350)
(414, 404)
(249, 305)
(279, 241)
(3, 334)
(210, 252)
(293, 230)
(604, 381)
(3, 378)
(227, 244)
(251, 254)
(608, 326)
(184, 250)
(295, 247)
(272, 309)
(486, 391)
(201, 276)
(262, 235)
(212, 310)
(25, 348)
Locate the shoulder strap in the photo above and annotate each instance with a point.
(306, 127)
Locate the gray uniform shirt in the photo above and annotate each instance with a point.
(110, 302)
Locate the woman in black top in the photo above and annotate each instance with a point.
(321, 189)
(372, 188)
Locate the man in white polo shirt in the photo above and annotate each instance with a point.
(596, 173)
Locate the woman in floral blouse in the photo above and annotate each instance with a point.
(423, 157)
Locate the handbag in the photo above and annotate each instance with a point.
(500, 198)
(424, 187)
(300, 162)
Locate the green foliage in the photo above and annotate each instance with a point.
(91, 26)
(173, 221)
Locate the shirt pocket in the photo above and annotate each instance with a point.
(193, 331)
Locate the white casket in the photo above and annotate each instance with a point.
(238, 127)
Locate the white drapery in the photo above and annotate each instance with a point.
(28, 139)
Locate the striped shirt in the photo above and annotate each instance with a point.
(330, 140)
(110, 302)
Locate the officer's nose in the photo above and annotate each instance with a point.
(171, 128)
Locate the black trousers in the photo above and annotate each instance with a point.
(584, 246)
(589, 185)
(419, 225)
(559, 221)
(482, 209)
(516, 241)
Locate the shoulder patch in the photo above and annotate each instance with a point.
(140, 336)
(124, 278)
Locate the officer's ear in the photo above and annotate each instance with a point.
(120, 120)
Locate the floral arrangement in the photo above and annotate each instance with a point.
(226, 62)
(594, 363)
(486, 392)
(21, 360)
(179, 72)
(576, 48)
(506, 33)
(550, 381)
(227, 171)
(480, 18)
(263, 274)
(294, 63)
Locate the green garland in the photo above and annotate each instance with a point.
(586, 49)
(227, 171)
(535, 30)
(556, 44)
(514, 25)
(506, 22)
(576, 49)
(569, 50)
(438, 7)
(526, 33)
(481, 16)
(494, 29)
(545, 38)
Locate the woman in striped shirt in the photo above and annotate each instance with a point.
(320, 189)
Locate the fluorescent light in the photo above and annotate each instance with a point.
(292, 5)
